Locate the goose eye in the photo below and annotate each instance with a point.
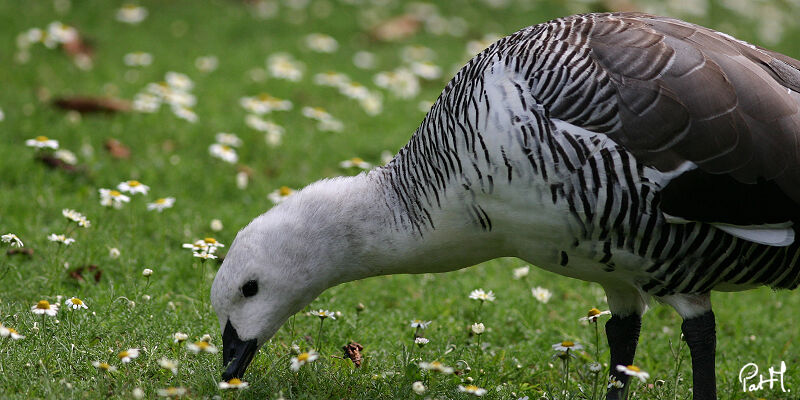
(250, 288)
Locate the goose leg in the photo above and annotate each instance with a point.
(699, 331)
(622, 332)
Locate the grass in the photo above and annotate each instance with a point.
(514, 358)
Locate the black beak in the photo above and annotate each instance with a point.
(236, 353)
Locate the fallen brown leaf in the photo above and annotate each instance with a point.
(77, 273)
(54, 163)
(397, 28)
(78, 47)
(353, 352)
(117, 149)
(27, 251)
(89, 104)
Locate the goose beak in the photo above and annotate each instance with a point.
(236, 353)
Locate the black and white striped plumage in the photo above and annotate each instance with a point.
(655, 157)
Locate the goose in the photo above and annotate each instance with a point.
(650, 155)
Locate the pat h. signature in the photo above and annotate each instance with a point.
(749, 373)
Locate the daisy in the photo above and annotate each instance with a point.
(330, 125)
(72, 215)
(201, 346)
(229, 139)
(184, 113)
(265, 104)
(161, 204)
(472, 389)
(133, 187)
(172, 392)
(279, 195)
(234, 383)
(480, 295)
(216, 225)
(75, 304)
(105, 367)
(426, 70)
(42, 142)
(566, 346)
(12, 239)
(521, 272)
(138, 59)
(421, 341)
(205, 255)
(416, 53)
(316, 113)
(206, 63)
(210, 242)
(114, 252)
(169, 365)
(115, 198)
(131, 14)
(223, 152)
(60, 239)
(322, 314)
(178, 81)
(372, 104)
(283, 66)
(632, 370)
(593, 315)
(614, 383)
(354, 90)
(418, 323)
(44, 307)
(262, 125)
(147, 272)
(60, 33)
(66, 156)
(355, 162)
(6, 331)
(146, 103)
(127, 356)
(179, 99)
(418, 387)
(541, 294)
(436, 366)
(478, 328)
(302, 359)
(321, 43)
(594, 367)
(331, 78)
(179, 337)
(401, 82)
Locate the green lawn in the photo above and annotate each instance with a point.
(512, 359)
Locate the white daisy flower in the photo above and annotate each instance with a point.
(401, 82)
(316, 113)
(302, 359)
(75, 303)
(114, 252)
(593, 315)
(216, 225)
(115, 198)
(426, 70)
(322, 314)
(416, 53)
(521, 272)
(131, 14)
(478, 328)
(279, 195)
(229, 139)
(541, 294)
(127, 356)
(372, 104)
(179, 81)
(133, 187)
(330, 125)
(364, 60)
(436, 366)
(264, 104)
(418, 323)
(103, 366)
(354, 90)
(12, 239)
(184, 113)
(169, 365)
(594, 366)
(179, 337)
(632, 370)
(331, 78)
(180, 100)
(161, 204)
(321, 43)
(6, 331)
(418, 387)
(260, 124)
(567, 345)
(207, 63)
(481, 295)
(61, 33)
(201, 346)
(223, 152)
(355, 162)
(172, 392)
(472, 389)
(284, 66)
(421, 341)
(66, 156)
(146, 103)
(234, 383)
(138, 59)
(44, 307)
(42, 142)
(147, 272)
(63, 239)
(205, 255)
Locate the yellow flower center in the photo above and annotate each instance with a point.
(103, 366)
(265, 97)
(303, 357)
(235, 381)
(356, 160)
(123, 354)
(134, 183)
(115, 193)
(284, 191)
(633, 368)
(161, 201)
(210, 240)
(43, 305)
(76, 301)
(471, 388)
(42, 138)
(12, 330)
(593, 312)
(567, 343)
(436, 364)
(202, 345)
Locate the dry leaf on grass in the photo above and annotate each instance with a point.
(353, 352)
(77, 273)
(55, 163)
(89, 104)
(397, 28)
(27, 251)
(117, 149)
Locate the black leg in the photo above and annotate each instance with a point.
(623, 336)
(700, 335)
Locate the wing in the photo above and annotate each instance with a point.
(683, 98)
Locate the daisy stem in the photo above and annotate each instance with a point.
(566, 374)
(678, 361)
(319, 335)
(596, 358)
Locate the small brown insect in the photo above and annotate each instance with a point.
(353, 352)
